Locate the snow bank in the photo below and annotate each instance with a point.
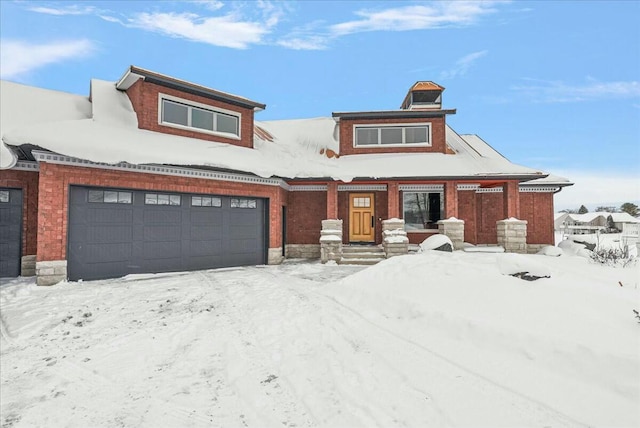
(511, 264)
(551, 251)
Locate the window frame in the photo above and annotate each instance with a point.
(238, 202)
(402, 126)
(8, 193)
(118, 194)
(190, 106)
(216, 201)
(404, 210)
(169, 200)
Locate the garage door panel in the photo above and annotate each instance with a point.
(205, 248)
(110, 234)
(10, 232)
(118, 239)
(162, 250)
(162, 214)
(162, 233)
(207, 216)
(97, 253)
(107, 214)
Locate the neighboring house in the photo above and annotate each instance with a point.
(153, 173)
(587, 223)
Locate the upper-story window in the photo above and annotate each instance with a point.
(185, 114)
(392, 135)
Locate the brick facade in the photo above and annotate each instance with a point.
(537, 210)
(28, 182)
(305, 212)
(54, 188)
(144, 98)
(438, 137)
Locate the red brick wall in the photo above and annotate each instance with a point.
(28, 182)
(54, 196)
(144, 97)
(305, 212)
(537, 209)
(467, 212)
(489, 209)
(438, 140)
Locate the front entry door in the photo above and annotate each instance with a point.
(361, 217)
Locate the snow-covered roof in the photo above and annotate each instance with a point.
(589, 217)
(105, 130)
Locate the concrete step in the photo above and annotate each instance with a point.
(361, 249)
(354, 261)
(363, 255)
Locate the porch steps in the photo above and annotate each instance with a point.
(362, 255)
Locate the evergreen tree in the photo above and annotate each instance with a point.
(630, 208)
(583, 210)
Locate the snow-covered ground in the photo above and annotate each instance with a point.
(431, 339)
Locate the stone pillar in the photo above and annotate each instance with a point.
(28, 266)
(394, 238)
(51, 272)
(331, 241)
(274, 256)
(512, 235)
(454, 229)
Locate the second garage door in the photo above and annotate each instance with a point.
(115, 232)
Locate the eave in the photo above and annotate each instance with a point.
(133, 74)
(395, 114)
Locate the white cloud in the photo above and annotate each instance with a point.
(462, 65)
(227, 31)
(560, 92)
(65, 10)
(209, 4)
(416, 17)
(20, 57)
(594, 188)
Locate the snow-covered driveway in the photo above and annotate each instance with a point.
(260, 346)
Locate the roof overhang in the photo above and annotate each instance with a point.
(133, 74)
(392, 114)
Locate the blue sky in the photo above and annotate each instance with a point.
(551, 85)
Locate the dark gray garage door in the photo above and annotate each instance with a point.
(10, 231)
(115, 232)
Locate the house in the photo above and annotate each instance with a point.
(587, 223)
(153, 173)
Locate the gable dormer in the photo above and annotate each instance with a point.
(419, 126)
(173, 106)
(424, 95)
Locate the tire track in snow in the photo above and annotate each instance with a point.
(251, 372)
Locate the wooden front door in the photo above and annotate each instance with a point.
(361, 217)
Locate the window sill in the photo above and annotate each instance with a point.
(201, 131)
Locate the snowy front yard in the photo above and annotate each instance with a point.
(434, 339)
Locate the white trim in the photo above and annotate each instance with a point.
(213, 109)
(361, 187)
(391, 125)
(421, 187)
(538, 189)
(157, 169)
(489, 190)
(308, 188)
(467, 187)
(26, 166)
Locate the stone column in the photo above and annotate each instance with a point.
(28, 266)
(394, 238)
(51, 272)
(331, 241)
(454, 229)
(512, 235)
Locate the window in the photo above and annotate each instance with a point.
(110, 197)
(392, 135)
(161, 199)
(206, 201)
(4, 196)
(422, 210)
(202, 118)
(243, 203)
(361, 202)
